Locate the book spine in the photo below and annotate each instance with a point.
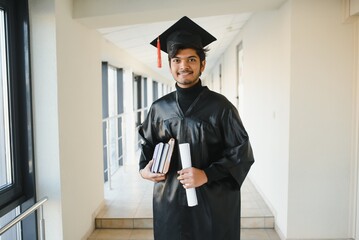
(171, 143)
(163, 157)
(154, 157)
(158, 157)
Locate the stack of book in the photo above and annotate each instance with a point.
(162, 156)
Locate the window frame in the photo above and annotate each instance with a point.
(22, 188)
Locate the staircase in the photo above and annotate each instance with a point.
(128, 210)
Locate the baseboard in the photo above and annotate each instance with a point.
(279, 232)
(93, 218)
(281, 236)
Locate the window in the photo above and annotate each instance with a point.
(5, 161)
(14, 232)
(140, 102)
(112, 122)
(137, 98)
(17, 185)
(240, 77)
(155, 90)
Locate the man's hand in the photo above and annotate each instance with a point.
(147, 174)
(192, 177)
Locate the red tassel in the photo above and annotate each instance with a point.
(159, 60)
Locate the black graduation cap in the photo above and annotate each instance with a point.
(184, 32)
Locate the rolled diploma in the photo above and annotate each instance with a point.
(186, 163)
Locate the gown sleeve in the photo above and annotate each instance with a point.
(147, 144)
(237, 156)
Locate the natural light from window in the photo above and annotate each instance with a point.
(5, 157)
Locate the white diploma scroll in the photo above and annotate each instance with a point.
(186, 163)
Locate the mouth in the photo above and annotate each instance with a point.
(184, 73)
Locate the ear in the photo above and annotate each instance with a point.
(203, 65)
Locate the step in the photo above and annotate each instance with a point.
(127, 213)
(119, 213)
(147, 234)
(137, 214)
(265, 222)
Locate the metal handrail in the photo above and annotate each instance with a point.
(23, 215)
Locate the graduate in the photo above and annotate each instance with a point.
(220, 149)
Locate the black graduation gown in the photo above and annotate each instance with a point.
(220, 146)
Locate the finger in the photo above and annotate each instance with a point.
(181, 172)
(158, 177)
(183, 175)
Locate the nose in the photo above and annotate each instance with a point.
(184, 64)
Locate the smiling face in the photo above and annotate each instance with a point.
(186, 67)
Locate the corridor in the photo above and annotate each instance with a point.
(127, 213)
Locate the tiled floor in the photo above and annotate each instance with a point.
(130, 199)
(147, 234)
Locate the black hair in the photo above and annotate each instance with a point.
(201, 52)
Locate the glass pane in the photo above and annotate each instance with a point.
(120, 150)
(14, 232)
(145, 92)
(112, 91)
(155, 90)
(104, 135)
(5, 163)
(119, 126)
(119, 91)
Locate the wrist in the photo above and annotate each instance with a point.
(205, 178)
(141, 170)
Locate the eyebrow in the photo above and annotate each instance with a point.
(194, 56)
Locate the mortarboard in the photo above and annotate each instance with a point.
(183, 32)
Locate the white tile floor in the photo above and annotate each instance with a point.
(128, 210)
(147, 234)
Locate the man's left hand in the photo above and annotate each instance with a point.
(192, 177)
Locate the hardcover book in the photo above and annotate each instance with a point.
(162, 156)
(156, 156)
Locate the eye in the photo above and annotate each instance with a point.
(175, 60)
(192, 59)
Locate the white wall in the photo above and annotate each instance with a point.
(321, 127)
(66, 77)
(67, 113)
(265, 112)
(351, 16)
(298, 111)
(119, 58)
(45, 112)
(354, 7)
(356, 140)
(266, 42)
(80, 121)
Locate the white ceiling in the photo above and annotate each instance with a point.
(135, 39)
(133, 24)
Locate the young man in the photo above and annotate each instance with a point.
(219, 145)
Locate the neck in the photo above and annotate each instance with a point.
(181, 85)
(186, 96)
(187, 88)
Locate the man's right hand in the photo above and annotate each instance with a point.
(147, 174)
